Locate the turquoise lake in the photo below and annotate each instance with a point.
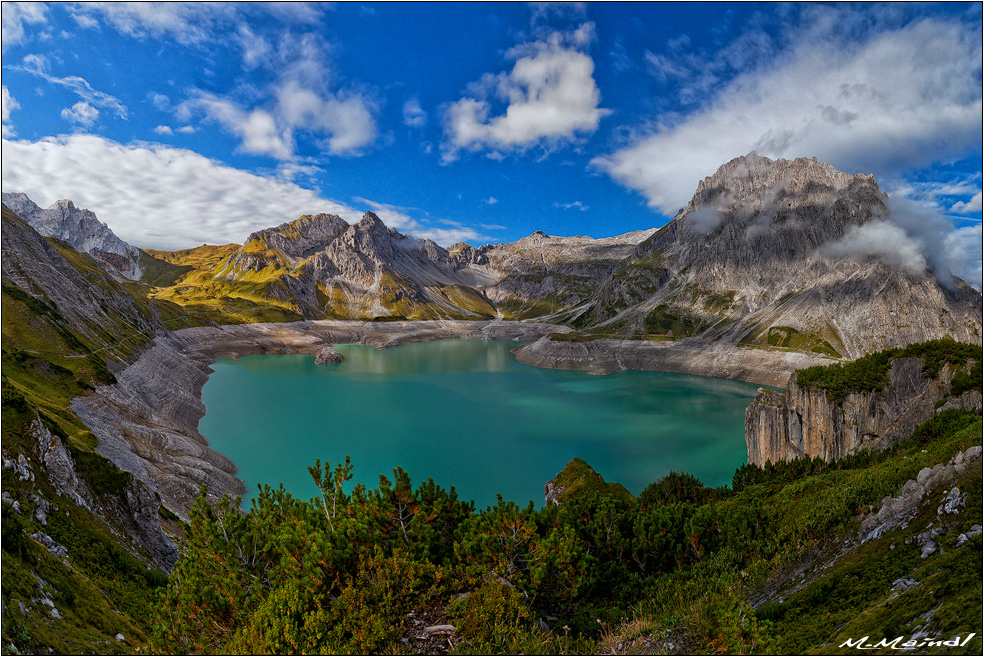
(466, 414)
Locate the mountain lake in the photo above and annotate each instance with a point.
(466, 414)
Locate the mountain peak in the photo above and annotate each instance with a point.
(80, 228)
(755, 176)
(370, 219)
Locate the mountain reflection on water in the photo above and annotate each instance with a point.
(466, 414)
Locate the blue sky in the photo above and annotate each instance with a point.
(180, 124)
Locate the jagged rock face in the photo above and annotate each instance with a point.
(302, 237)
(147, 424)
(136, 512)
(322, 267)
(748, 260)
(86, 301)
(546, 275)
(804, 422)
(81, 229)
(328, 356)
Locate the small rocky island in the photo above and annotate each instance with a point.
(328, 356)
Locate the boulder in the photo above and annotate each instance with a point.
(326, 356)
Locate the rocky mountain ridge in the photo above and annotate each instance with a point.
(748, 261)
(319, 267)
(81, 229)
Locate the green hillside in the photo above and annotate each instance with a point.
(364, 571)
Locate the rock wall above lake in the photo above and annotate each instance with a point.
(781, 426)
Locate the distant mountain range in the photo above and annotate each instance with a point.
(761, 256)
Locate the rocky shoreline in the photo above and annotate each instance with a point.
(147, 422)
(770, 367)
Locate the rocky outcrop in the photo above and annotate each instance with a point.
(135, 512)
(800, 422)
(898, 511)
(726, 361)
(92, 303)
(327, 355)
(147, 424)
(80, 229)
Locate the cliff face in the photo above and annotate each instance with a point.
(805, 422)
(65, 307)
(81, 229)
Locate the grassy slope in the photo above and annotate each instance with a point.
(202, 290)
(104, 587)
(832, 587)
(102, 590)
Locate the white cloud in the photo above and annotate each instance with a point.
(933, 235)
(81, 113)
(186, 22)
(9, 105)
(15, 15)
(882, 240)
(257, 129)
(300, 100)
(186, 129)
(491, 200)
(160, 101)
(256, 49)
(902, 99)
(400, 219)
(915, 236)
(291, 171)
(550, 97)
(163, 130)
(576, 205)
(38, 64)
(960, 207)
(413, 114)
(964, 248)
(156, 196)
(85, 22)
(546, 11)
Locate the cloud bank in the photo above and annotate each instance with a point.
(901, 99)
(156, 196)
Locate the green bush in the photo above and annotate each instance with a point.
(965, 381)
(674, 488)
(870, 373)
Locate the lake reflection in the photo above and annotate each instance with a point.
(465, 413)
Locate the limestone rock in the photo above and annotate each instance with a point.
(954, 500)
(326, 355)
(964, 538)
(898, 511)
(60, 466)
(757, 257)
(51, 545)
(903, 584)
(81, 229)
(804, 422)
